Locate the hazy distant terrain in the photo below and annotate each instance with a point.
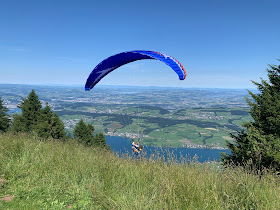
(158, 116)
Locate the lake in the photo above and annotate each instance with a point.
(122, 146)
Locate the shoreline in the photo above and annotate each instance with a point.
(186, 145)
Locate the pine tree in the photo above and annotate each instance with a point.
(4, 117)
(30, 108)
(17, 124)
(49, 125)
(100, 139)
(258, 145)
(34, 118)
(43, 126)
(84, 133)
(57, 129)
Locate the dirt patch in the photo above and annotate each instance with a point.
(7, 198)
(3, 181)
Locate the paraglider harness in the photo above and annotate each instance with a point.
(136, 148)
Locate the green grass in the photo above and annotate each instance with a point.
(57, 175)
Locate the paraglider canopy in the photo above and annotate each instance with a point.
(115, 61)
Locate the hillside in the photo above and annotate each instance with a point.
(55, 175)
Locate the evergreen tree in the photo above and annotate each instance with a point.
(17, 123)
(100, 140)
(30, 108)
(84, 133)
(49, 125)
(259, 145)
(4, 117)
(57, 129)
(34, 118)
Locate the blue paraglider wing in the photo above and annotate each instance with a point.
(110, 64)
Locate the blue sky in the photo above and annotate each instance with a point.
(221, 43)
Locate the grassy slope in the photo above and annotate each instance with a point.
(55, 175)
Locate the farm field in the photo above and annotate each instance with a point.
(156, 116)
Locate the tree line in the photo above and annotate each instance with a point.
(45, 123)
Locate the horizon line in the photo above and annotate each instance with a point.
(144, 86)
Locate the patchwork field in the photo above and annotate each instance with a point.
(155, 116)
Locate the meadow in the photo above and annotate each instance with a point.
(37, 174)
